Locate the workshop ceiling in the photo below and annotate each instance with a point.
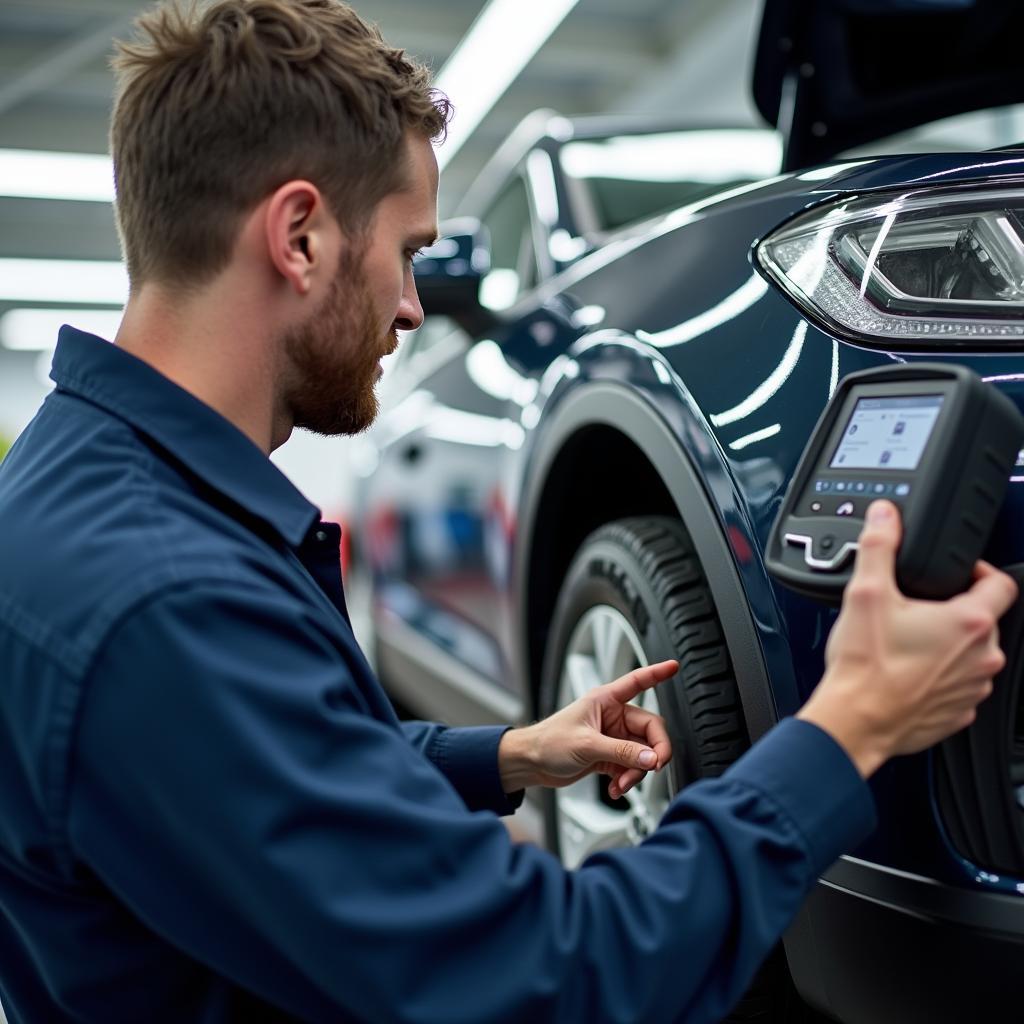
(55, 87)
(686, 59)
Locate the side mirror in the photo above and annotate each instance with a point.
(448, 274)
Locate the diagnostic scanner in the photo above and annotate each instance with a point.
(933, 439)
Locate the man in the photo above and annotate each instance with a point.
(208, 811)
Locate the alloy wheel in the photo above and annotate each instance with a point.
(602, 647)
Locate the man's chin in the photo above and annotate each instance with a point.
(332, 424)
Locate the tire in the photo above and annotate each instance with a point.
(641, 578)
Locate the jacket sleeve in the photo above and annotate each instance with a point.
(468, 758)
(232, 791)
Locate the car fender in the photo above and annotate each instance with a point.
(655, 411)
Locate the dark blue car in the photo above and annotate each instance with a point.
(632, 333)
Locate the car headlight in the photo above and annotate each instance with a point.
(921, 267)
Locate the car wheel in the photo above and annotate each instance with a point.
(635, 594)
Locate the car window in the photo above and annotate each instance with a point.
(627, 178)
(513, 257)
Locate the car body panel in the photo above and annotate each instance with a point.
(669, 335)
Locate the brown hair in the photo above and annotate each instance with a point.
(217, 106)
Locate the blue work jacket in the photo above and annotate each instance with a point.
(209, 812)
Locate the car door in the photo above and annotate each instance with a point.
(435, 514)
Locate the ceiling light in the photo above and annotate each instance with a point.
(712, 156)
(498, 45)
(35, 330)
(34, 174)
(96, 282)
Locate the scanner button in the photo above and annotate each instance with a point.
(845, 509)
(815, 506)
(902, 490)
(827, 543)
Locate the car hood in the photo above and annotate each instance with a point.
(833, 74)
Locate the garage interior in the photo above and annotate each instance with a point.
(55, 96)
(495, 545)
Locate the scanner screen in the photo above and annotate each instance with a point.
(887, 433)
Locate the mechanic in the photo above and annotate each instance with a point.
(208, 810)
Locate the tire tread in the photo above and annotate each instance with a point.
(705, 696)
(665, 554)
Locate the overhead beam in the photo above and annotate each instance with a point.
(72, 7)
(708, 74)
(60, 62)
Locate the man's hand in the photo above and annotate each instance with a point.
(600, 732)
(902, 675)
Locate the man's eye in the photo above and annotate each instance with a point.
(411, 254)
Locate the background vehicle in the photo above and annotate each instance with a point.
(584, 449)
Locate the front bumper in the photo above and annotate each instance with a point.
(878, 946)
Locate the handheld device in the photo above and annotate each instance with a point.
(935, 440)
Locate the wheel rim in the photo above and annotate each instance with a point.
(603, 646)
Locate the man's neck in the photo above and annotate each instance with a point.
(215, 350)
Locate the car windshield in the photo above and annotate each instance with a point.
(626, 178)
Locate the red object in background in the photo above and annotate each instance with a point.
(499, 509)
(346, 547)
(346, 541)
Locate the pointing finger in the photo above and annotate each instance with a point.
(626, 687)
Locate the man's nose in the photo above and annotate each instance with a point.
(410, 312)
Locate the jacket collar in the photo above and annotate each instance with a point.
(193, 433)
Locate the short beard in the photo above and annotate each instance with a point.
(333, 358)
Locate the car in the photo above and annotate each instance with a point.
(632, 330)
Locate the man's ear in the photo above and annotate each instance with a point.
(298, 225)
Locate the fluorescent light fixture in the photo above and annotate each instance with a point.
(35, 174)
(35, 330)
(499, 288)
(713, 156)
(545, 191)
(98, 282)
(499, 44)
(565, 247)
(460, 427)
